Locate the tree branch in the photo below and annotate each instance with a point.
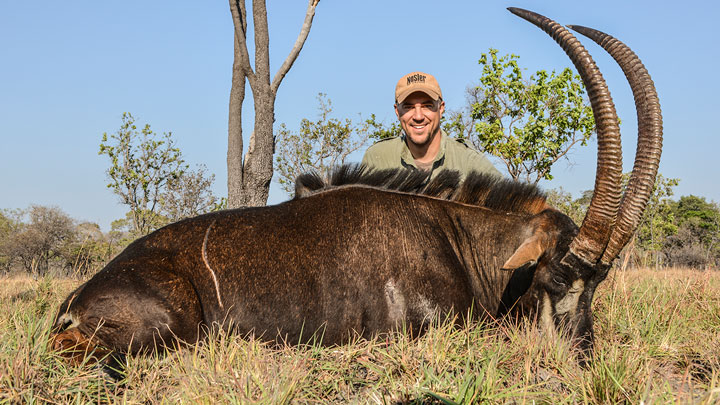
(262, 43)
(299, 43)
(239, 17)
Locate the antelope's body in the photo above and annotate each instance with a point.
(353, 259)
(371, 250)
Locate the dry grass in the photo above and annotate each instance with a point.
(658, 341)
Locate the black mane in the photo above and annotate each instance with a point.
(479, 189)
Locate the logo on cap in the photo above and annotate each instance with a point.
(416, 78)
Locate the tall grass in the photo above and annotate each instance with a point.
(657, 341)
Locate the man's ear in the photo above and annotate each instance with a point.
(397, 112)
(529, 252)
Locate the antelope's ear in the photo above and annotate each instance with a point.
(528, 253)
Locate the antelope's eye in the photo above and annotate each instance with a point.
(559, 281)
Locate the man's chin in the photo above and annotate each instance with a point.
(419, 140)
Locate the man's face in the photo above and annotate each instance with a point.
(420, 117)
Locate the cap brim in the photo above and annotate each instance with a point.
(405, 93)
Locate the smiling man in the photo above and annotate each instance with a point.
(423, 144)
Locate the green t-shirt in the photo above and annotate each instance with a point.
(393, 153)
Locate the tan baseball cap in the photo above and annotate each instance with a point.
(417, 81)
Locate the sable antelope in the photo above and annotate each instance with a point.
(361, 258)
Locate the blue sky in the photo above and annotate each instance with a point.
(70, 69)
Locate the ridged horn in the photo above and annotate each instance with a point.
(594, 232)
(649, 145)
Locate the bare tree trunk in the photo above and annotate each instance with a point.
(235, 140)
(249, 178)
(258, 165)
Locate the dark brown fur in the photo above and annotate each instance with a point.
(342, 260)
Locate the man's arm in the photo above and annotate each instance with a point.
(367, 160)
(482, 164)
(382, 154)
(467, 159)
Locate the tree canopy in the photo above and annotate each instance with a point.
(147, 171)
(141, 165)
(527, 124)
(318, 145)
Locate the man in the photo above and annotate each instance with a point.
(424, 146)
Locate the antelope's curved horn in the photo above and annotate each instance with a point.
(594, 232)
(649, 146)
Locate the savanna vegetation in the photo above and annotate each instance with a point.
(657, 342)
(148, 174)
(657, 315)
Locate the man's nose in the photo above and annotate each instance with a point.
(418, 113)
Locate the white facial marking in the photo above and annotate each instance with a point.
(395, 302)
(568, 304)
(68, 318)
(546, 318)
